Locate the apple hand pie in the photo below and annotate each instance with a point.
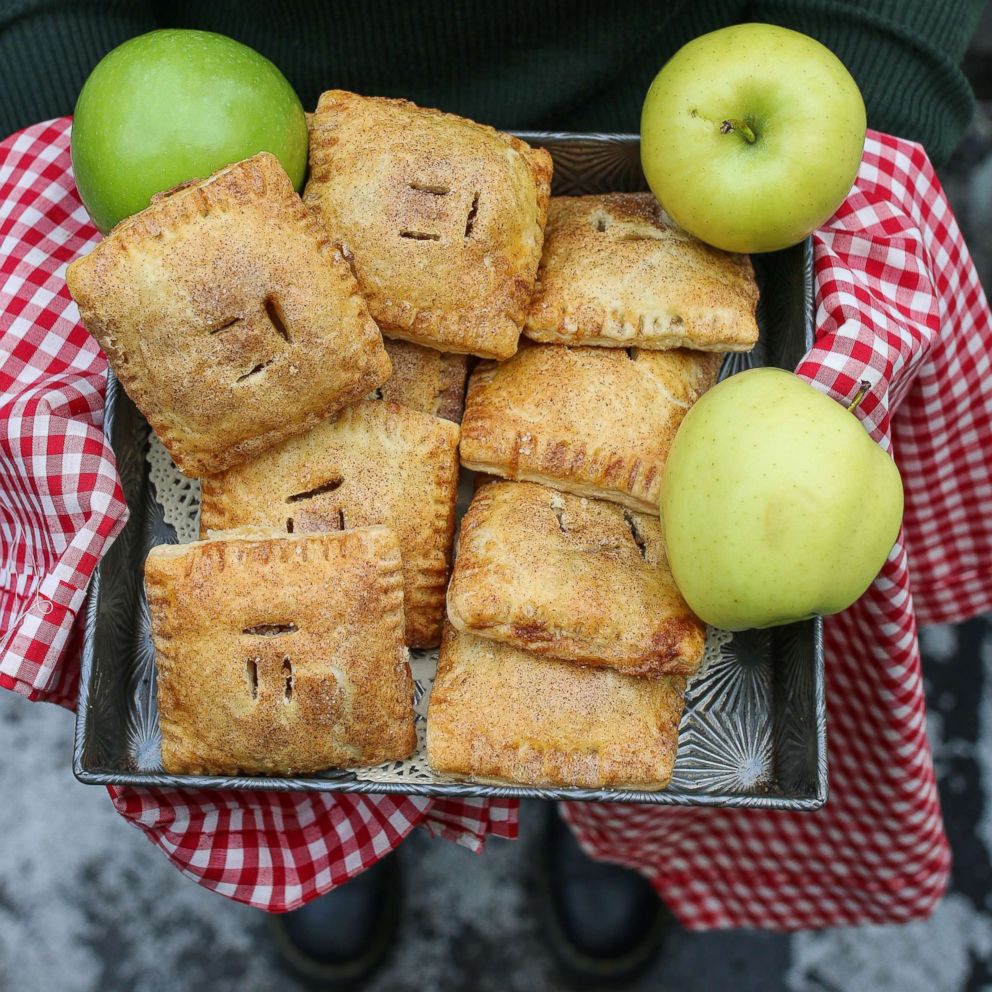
(375, 463)
(573, 578)
(616, 271)
(228, 316)
(593, 421)
(280, 654)
(426, 380)
(442, 218)
(500, 714)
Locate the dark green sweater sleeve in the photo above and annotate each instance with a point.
(904, 54)
(49, 47)
(523, 64)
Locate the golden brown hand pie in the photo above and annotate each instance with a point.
(498, 713)
(568, 577)
(426, 380)
(280, 654)
(375, 463)
(615, 271)
(228, 316)
(442, 219)
(593, 421)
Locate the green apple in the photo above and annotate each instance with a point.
(174, 105)
(751, 136)
(776, 505)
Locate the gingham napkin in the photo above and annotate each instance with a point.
(898, 303)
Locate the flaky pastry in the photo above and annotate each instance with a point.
(280, 654)
(617, 272)
(374, 463)
(426, 380)
(442, 218)
(593, 421)
(228, 316)
(497, 713)
(573, 578)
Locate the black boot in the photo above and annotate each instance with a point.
(339, 940)
(605, 923)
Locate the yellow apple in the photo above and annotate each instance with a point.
(751, 136)
(776, 504)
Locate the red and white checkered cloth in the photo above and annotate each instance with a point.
(898, 303)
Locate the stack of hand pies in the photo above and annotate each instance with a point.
(247, 325)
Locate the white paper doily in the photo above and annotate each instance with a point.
(178, 496)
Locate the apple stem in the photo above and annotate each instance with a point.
(859, 396)
(733, 124)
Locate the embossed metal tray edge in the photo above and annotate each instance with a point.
(583, 163)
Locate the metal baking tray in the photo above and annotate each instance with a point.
(754, 729)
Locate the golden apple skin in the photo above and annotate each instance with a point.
(776, 504)
(807, 116)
